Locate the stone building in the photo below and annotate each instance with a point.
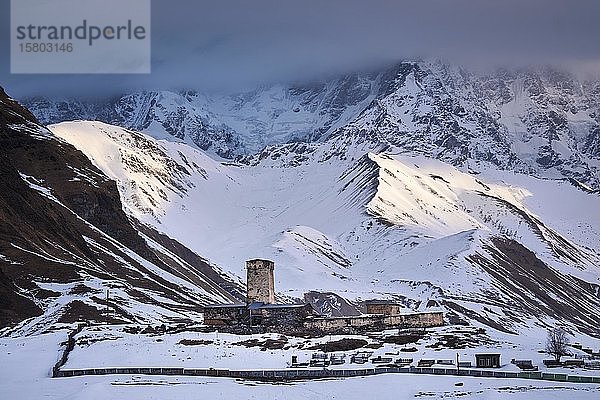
(225, 314)
(384, 307)
(261, 311)
(260, 308)
(257, 314)
(487, 360)
(280, 315)
(260, 282)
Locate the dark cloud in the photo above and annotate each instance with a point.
(229, 45)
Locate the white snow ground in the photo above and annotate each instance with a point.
(111, 347)
(25, 365)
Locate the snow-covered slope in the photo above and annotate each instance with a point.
(69, 253)
(537, 121)
(495, 247)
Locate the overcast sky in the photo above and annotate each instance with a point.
(232, 45)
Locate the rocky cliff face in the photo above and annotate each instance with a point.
(534, 122)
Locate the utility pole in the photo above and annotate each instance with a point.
(107, 307)
(457, 364)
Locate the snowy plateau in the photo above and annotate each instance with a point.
(423, 184)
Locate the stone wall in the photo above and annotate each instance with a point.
(260, 283)
(423, 320)
(302, 321)
(292, 317)
(332, 324)
(363, 323)
(223, 316)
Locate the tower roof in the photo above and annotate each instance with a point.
(260, 259)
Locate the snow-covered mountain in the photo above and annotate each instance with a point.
(69, 253)
(541, 122)
(492, 247)
(424, 182)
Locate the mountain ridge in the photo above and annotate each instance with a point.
(538, 121)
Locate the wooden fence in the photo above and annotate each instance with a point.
(306, 374)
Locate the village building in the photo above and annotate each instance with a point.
(261, 311)
(487, 360)
(385, 307)
(260, 282)
(260, 308)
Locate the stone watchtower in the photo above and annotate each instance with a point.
(260, 284)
